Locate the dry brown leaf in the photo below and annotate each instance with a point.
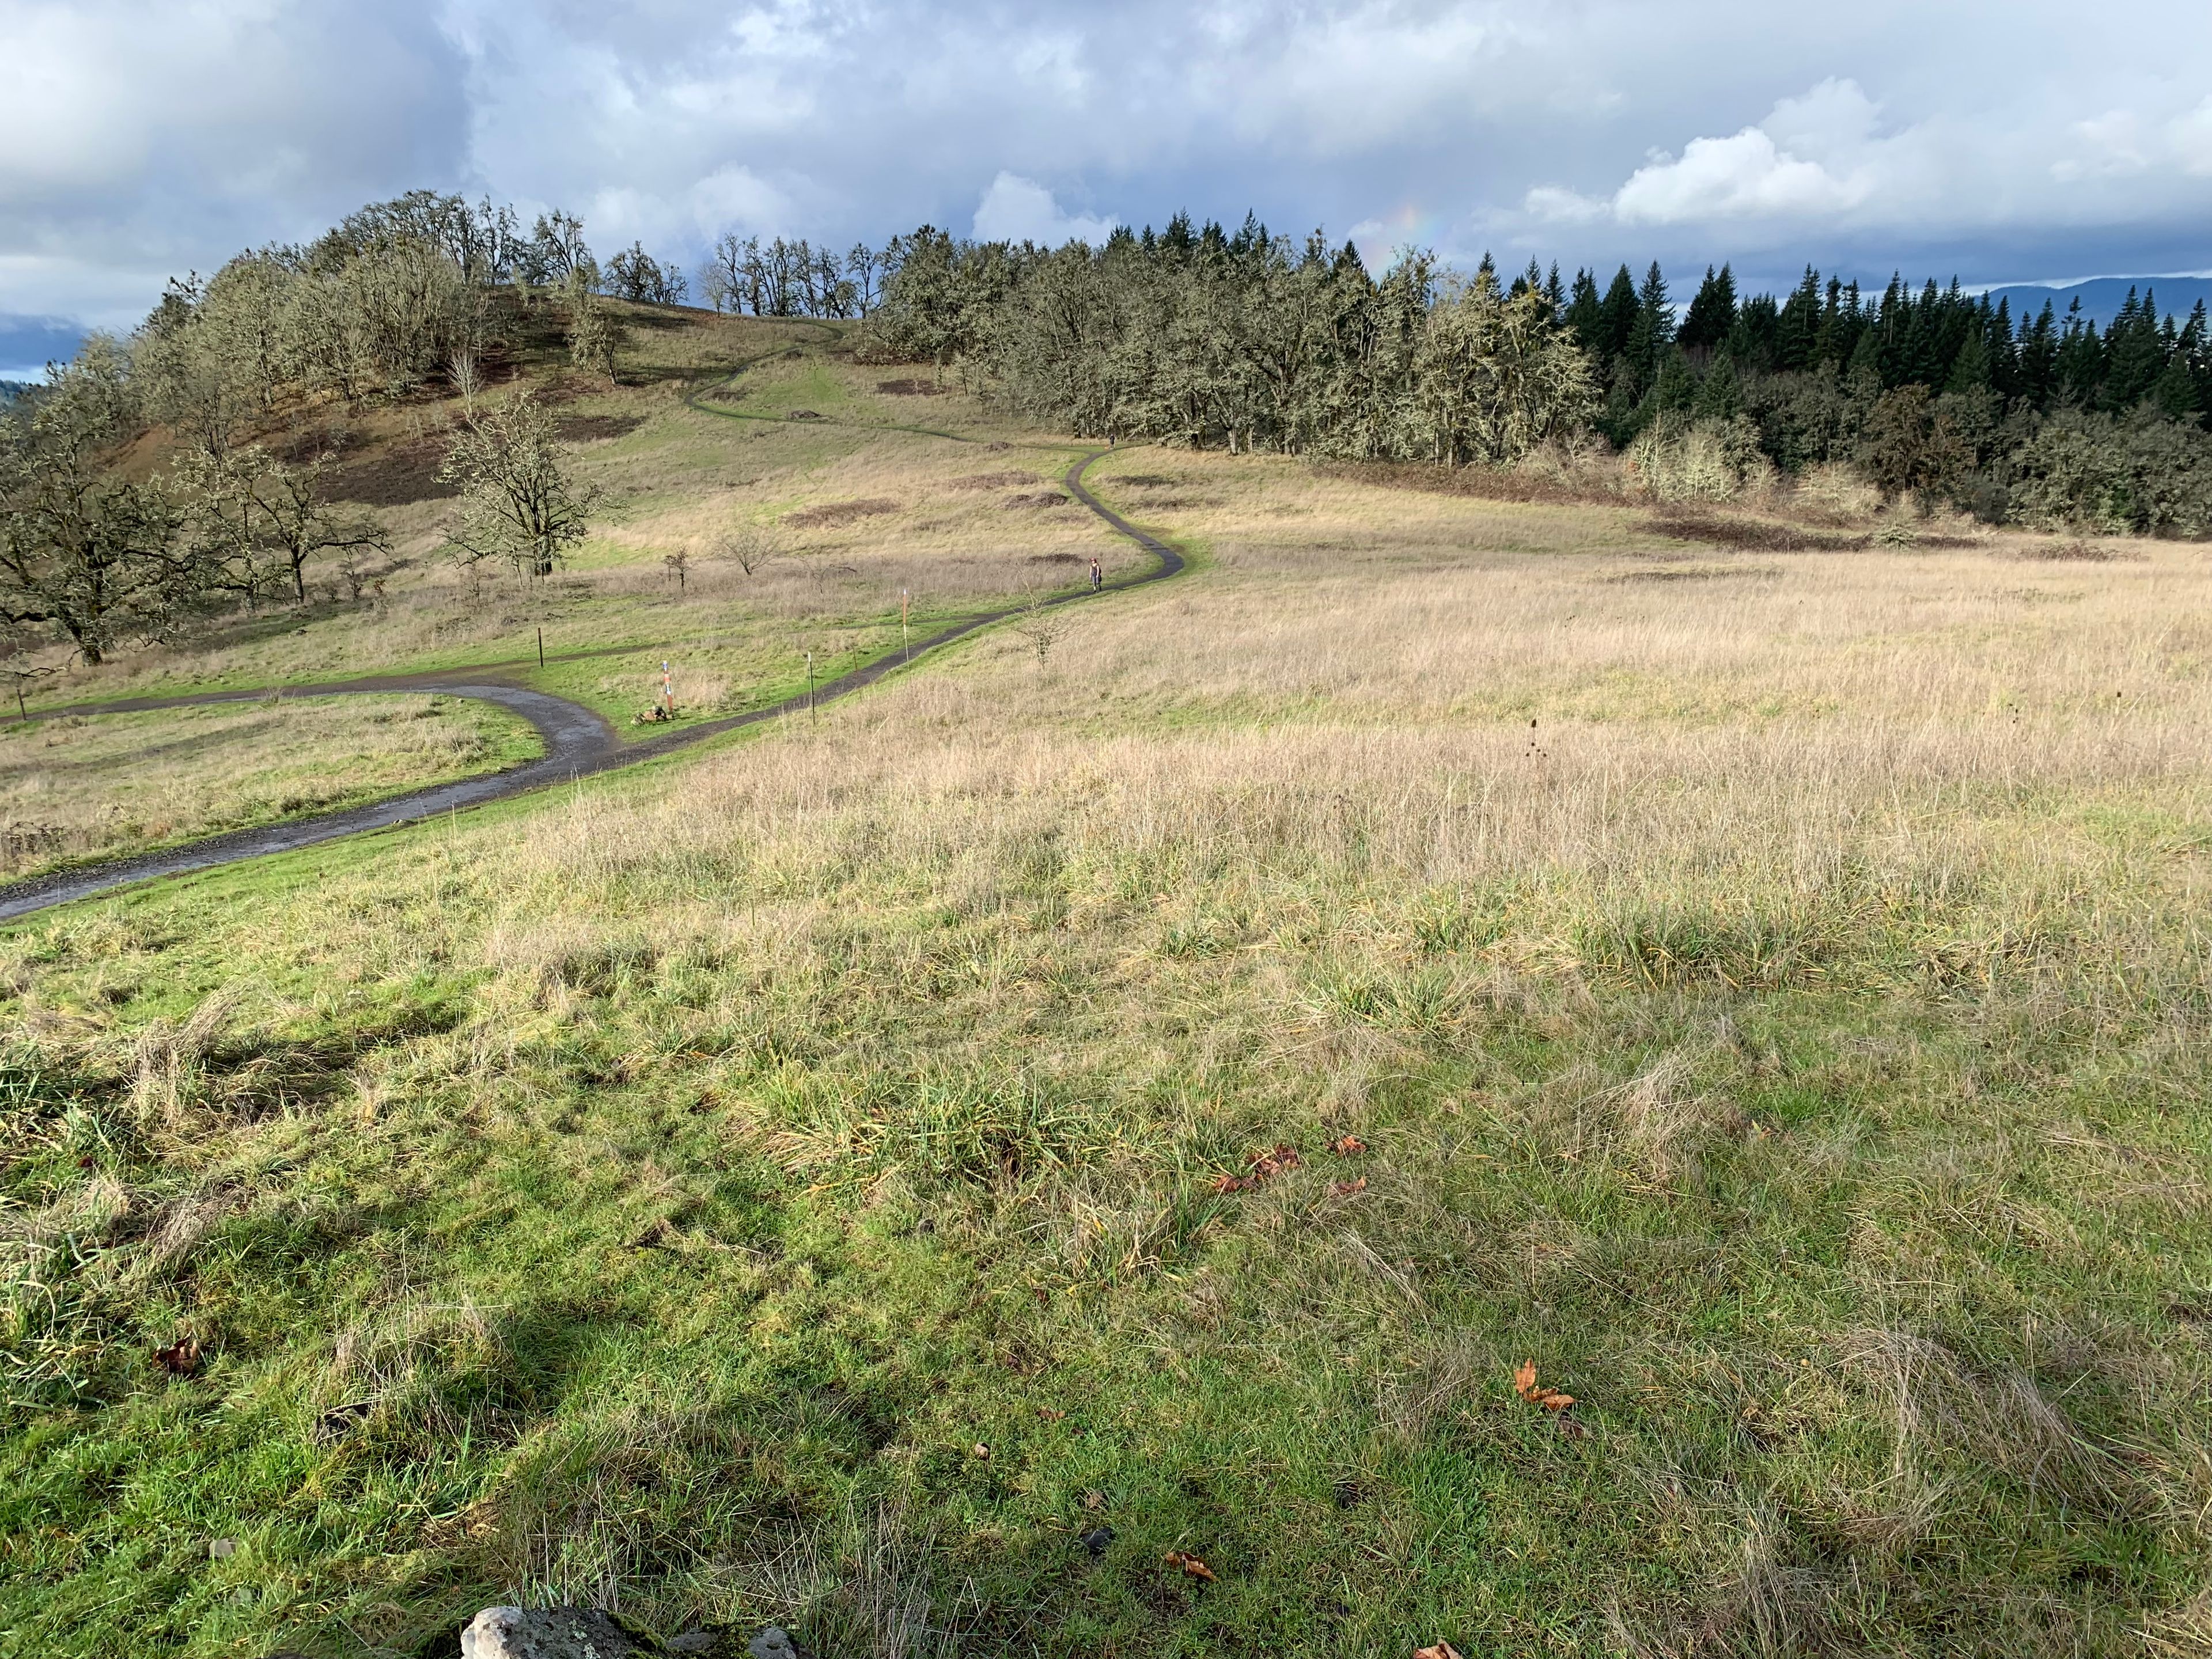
(1345, 1145)
(1442, 1650)
(1190, 1566)
(1346, 1188)
(1538, 1393)
(1262, 1165)
(1051, 1415)
(181, 1358)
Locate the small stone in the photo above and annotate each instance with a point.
(775, 1643)
(545, 1634)
(693, 1641)
(1096, 1539)
(221, 1549)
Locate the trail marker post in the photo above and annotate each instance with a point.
(809, 684)
(906, 644)
(541, 647)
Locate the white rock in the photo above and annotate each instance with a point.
(544, 1633)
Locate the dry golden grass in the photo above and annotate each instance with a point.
(112, 783)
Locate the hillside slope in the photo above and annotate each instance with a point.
(923, 1173)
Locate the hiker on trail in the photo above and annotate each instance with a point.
(1097, 576)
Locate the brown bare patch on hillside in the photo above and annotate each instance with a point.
(400, 472)
(2079, 552)
(909, 389)
(1479, 483)
(835, 513)
(1719, 530)
(591, 429)
(992, 480)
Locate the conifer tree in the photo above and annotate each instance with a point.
(1970, 371)
(1755, 341)
(1585, 315)
(1720, 394)
(2135, 355)
(1655, 326)
(1617, 321)
(2081, 359)
(2194, 349)
(1712, 315)
(2039, 359)
(1798, 338)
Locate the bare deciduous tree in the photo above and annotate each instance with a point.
(1041, 628)
(518, 503)
(253, 514)
(87, 554)
(750, 544)
(593, 334)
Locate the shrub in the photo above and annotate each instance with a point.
(1709, 460)
(2145, 475)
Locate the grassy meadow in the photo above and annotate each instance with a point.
(94, 786)
(840, 1178)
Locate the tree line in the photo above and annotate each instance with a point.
(398, 297)
(1246, 340)
(1939, 394)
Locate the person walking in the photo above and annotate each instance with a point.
(1097, 576)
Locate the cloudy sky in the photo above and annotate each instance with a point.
(2025, 141)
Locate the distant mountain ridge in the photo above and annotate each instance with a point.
(2103, 296)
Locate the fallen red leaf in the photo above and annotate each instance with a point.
(1191, 1566)
(1261, 1166)
(1538, 1393)
(1345, 1145)
(1442, 1650)
(181, 1357)
(1346, 1188)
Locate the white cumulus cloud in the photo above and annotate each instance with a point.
(1018, 209)
(1745, 176)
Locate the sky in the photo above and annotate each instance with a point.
(2026, 142)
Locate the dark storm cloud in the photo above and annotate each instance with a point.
(1997, 143)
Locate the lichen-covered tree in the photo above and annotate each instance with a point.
(518, 506)
(87, 555)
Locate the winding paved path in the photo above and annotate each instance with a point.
(579, 742)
